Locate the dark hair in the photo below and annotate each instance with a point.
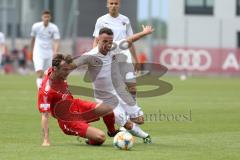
(106, 30)
(56, 62)
(46, 12)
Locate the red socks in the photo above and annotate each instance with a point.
(109, 121)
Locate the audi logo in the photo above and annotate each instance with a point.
(181, 59)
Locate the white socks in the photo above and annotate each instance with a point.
(137, 131)
(39, 82)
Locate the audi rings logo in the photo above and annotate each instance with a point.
(185, 59)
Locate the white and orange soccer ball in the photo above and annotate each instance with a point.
(123, 140)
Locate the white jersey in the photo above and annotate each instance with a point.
(44, 36)
(108, 84)
(103, 79)
(100, 67)
(120, 26)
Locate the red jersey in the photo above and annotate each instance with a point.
(51, 92)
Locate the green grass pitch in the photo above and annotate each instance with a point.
(203, 123)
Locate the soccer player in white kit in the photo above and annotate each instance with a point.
(44, 44)
(2, 47)
(121, 27)
(107, 83)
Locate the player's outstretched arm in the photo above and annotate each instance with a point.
(81, 60)
(146, 30)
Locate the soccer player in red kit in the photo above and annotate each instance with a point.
(54, 91)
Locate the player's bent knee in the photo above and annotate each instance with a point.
(100, 139)
(96, 135)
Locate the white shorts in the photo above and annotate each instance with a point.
(42, 63)
(123, 112)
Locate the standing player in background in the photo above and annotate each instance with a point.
(121, 27)
(44, 44)
(2, 47)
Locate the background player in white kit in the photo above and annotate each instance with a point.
(121, 27)
(2, 47)
(107, 82)
(44, 44)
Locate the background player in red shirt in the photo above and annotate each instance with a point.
(54, 91)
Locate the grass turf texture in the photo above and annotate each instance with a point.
(212, 131)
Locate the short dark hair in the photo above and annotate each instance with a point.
(58, 58)
(106, 30)
(46, 12)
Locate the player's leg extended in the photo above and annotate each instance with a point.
(135, 130)
(45, 129)
(122, 120)
(109, 121)
(105, 111)
(136, 117)
(82, 129)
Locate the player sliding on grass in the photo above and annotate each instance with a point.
(44, 44)
(109, 86)
(54, 91)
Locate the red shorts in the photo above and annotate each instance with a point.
(78, 128)
(81, 106)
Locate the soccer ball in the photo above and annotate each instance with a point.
(123, 140)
